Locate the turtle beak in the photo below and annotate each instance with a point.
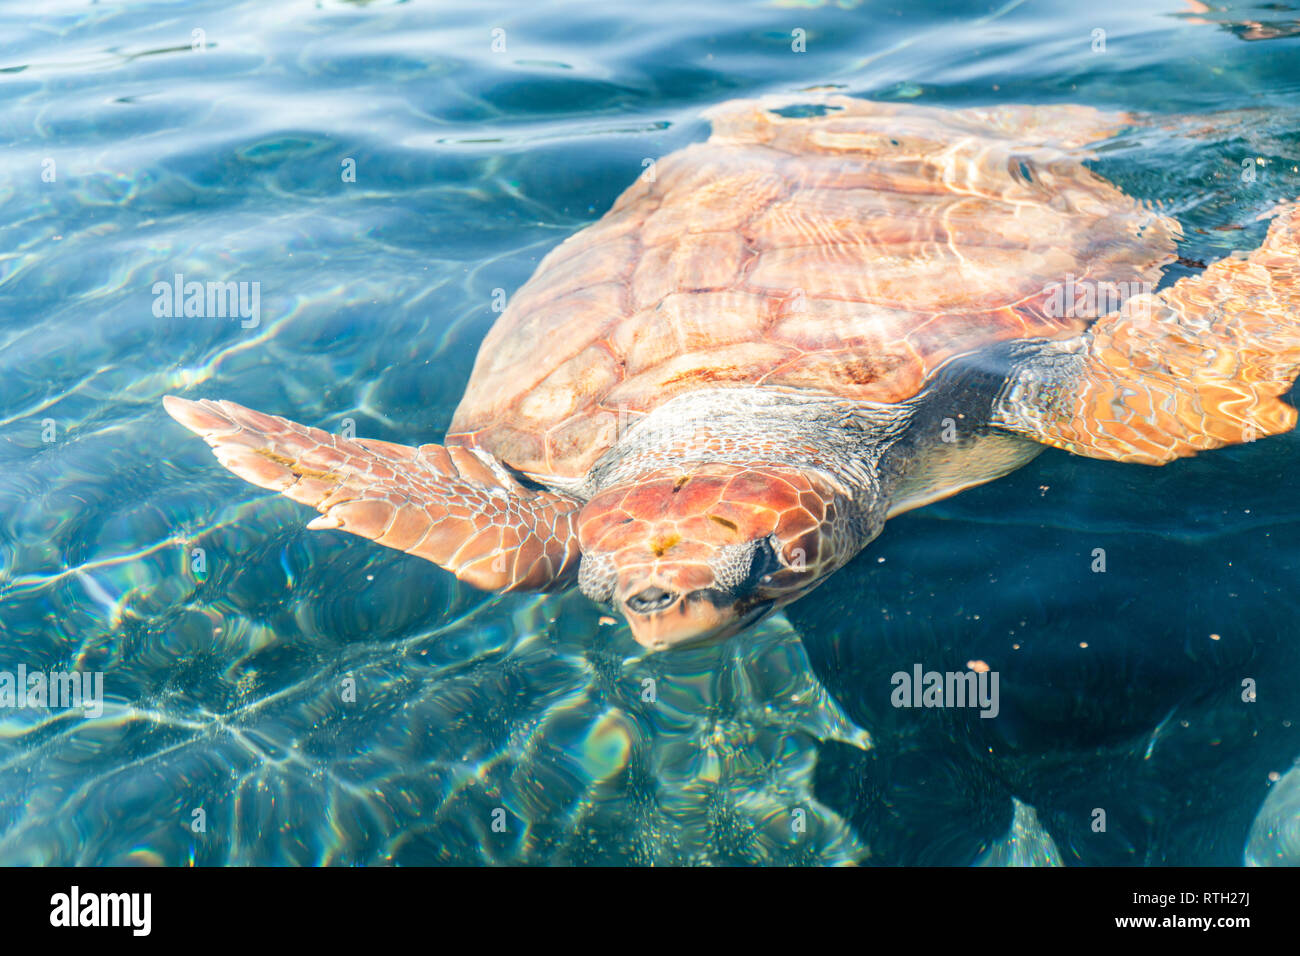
(662, 619)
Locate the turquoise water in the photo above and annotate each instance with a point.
(490, 729)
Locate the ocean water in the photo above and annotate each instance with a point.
(278, 696)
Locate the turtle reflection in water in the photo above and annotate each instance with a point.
(709, 400)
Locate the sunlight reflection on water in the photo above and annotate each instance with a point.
(224, 685)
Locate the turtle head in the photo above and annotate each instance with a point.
(695, 554)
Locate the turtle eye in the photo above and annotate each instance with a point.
(764, 562)
(740, 568)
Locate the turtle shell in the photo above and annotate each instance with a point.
(849, 248)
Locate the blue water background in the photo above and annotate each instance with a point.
(136, 148)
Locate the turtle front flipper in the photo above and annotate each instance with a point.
(455, 507)
(1200, 365)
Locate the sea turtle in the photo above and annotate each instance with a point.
(832, 311)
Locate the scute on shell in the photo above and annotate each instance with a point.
(851, 252)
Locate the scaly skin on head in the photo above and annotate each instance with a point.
(724, 505)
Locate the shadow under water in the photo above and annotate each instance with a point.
(1145, 683)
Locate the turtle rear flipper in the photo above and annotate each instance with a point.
(452, 506)
(1200, 365)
